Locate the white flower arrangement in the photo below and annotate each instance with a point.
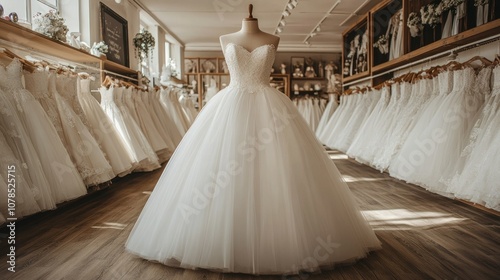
(431, 14)
(144, 43)
(102, 47)
(382, 44)
(480, 2)
(451, 4)
(51, 24)
(415, 24)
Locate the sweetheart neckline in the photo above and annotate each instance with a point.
(250, 52)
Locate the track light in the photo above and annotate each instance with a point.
(313, 34)
(286, 13)
(307, 42)
(318, 29)
(282, 22)
(279, 29)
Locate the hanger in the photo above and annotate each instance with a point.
(27, 65)
(484, 61)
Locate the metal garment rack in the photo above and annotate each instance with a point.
(456, 50)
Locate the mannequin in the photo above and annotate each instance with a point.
(250, 36)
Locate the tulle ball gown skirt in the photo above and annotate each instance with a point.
(249, 189)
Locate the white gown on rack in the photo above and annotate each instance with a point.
(327, 114)
(147, 125)
(137, 144)
(188, 106)
(82, 146)
(105, 132)
(26, 192)
(369, 127)
(446, 134)
(166, 121)
(414, 144)
(265, 194)
(157, 122)
(170, 102)
(65, 182)
(471, 181)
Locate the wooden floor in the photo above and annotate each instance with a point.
(424, 236)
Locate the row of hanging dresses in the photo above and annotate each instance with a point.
(46, 174)
(311, 110)
(438, 132)
(327, 113)
(169, 99)
(188, 106)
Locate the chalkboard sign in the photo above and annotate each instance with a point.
(114, 31)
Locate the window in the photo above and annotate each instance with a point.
(167, 52)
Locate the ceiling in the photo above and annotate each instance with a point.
(198, 24)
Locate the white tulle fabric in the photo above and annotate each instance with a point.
(136, 143)
(170, 103)
(265, 195)
(105, 132)
(188, 106)
(476, 178)
(65, 182)
(81, 145)
(330, 108)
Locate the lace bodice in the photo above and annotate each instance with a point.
(11, 76)
(37, 83)
(445, 82)
(482, 81)
(249, 69)
(496, 81)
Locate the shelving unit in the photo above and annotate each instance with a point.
(428, 44)
(351, 52)
(281, 81)
(36, 42)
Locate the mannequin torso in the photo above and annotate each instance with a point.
(249, 37)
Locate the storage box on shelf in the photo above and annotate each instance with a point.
(356, 50)
(30, 40)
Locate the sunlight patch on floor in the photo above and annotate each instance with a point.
(110, 226)
(337, 156)
(350, 179)
(404, 219)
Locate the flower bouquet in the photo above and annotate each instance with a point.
(51, 24)
(144, 43)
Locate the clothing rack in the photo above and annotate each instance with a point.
(72, 64)
(456, 50)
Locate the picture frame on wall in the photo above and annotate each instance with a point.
(114, 32)
(297, 66)
(51, 3)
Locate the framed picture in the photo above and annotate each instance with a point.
(114, 32)
(297, 67)
(50, 3)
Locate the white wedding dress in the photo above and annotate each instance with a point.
(264, 196)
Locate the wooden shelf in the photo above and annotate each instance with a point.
(117, 68)
(468, 36)
(355, 77)
(308, 79)
(33, 40)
